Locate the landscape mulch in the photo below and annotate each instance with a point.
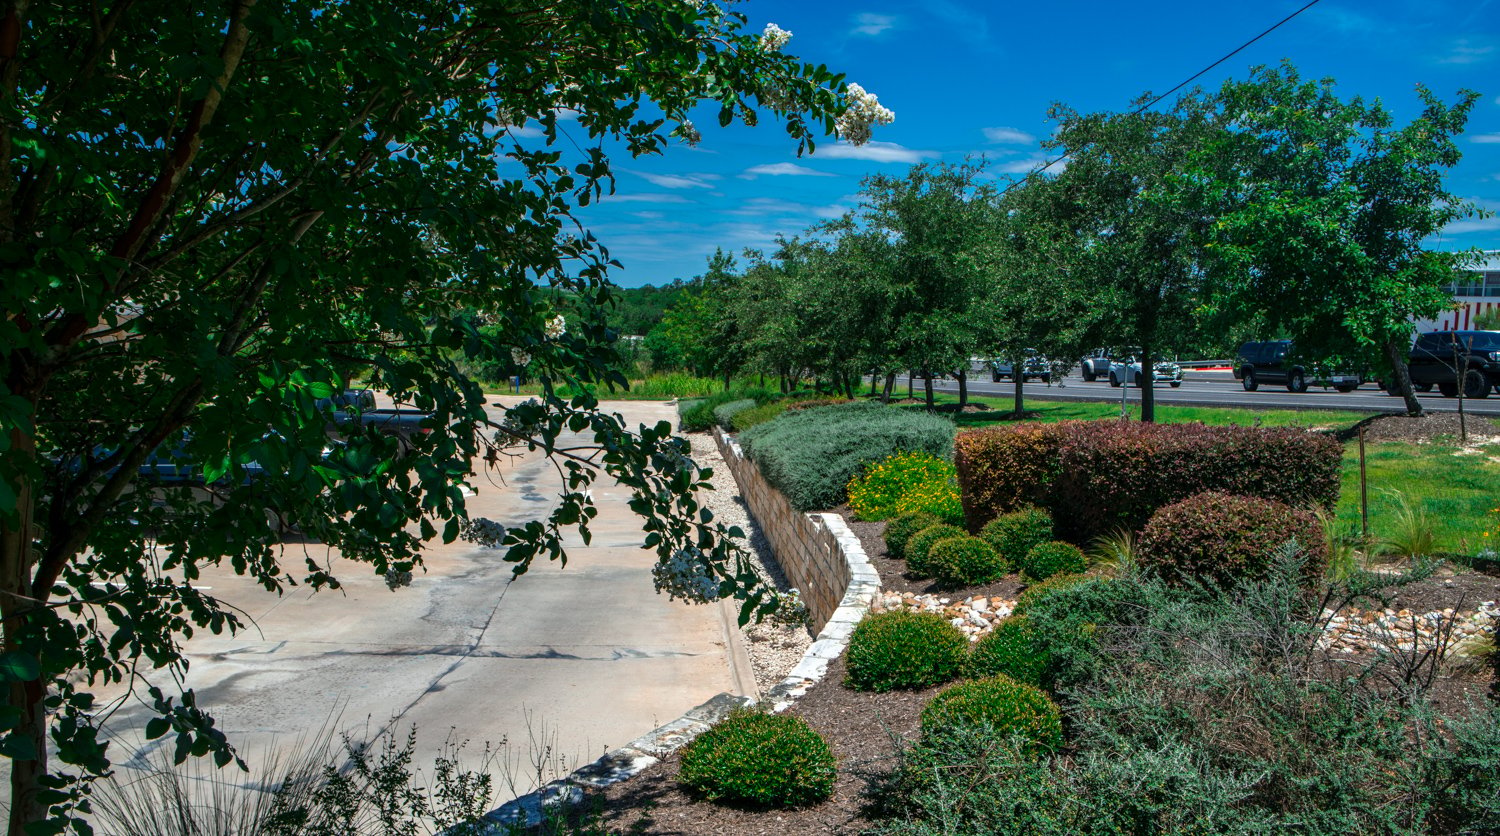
(866, 731)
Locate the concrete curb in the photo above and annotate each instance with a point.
(633, 758)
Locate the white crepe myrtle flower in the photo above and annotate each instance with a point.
(774, 38)
(519, 357)
(689, 133)
(686, 575)
(863, 113)
(555, 327)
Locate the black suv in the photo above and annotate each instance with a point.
(1265, 362)
(1437, 357)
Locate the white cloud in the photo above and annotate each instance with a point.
(679, 181)
(646, 198)
(1467, 52)
(783, 170)
(762, 206)
(1489, 224)
(1008, 135)
(648, 216)
(1024, 166)
(1485, 139)
(880, 152)
(867, 23)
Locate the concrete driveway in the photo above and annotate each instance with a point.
(581, 659)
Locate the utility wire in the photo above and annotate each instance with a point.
(1194, 77)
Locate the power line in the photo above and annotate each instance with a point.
(1194, 77)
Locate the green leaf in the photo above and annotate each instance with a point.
(17, 666)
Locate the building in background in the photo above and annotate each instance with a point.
(1476, 293)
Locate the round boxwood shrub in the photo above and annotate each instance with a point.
(921, 543)
(899, 530)
(904, 649)
(964, 561)
(1015, 533)
(1221, 538)
(1037, 591)
(1055, 558)
(1012, 648)
(759, 759)
(1008, 706)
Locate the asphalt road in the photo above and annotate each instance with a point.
(1212, 388)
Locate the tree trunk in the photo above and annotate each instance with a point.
(1147, 380)
(927, 385)
(1400, 378)
(874, 378)
(1019, 380)
(25, 698)
(726, 381)
(963, 390)
(890, 386)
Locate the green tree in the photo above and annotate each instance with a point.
(212, 216)
(1138, 219)
(1325, 206)
(937, 220)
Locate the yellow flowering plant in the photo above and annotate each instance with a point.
(907, 482)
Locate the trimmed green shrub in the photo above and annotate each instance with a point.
(697, 414)
(724, 413)
(1097, 477)
(1013, 534)
(1002, 703)
(810, 455)
(765, 760)
(1054, 558)
(901, 529)
(904, 483)
(1013, 648)
(1067, 619)
(964, 561)
(748, 418)
(1035, 592)
(903, 649)
(920, 545)
(1222, 539)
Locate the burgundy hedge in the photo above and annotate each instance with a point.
(1098, 476)
(1221, 538)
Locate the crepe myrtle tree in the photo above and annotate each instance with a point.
(214, 215)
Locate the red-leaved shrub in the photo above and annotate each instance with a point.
(1100, 476)
(1222, 538)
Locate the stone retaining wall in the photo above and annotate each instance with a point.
(819, 554)
(806, 547)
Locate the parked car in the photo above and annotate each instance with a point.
(1033, 367)
(1096, 364)
(1437, 357)
(1127, 372)
(1267, 362)
(357, 406)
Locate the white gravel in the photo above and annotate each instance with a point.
(774, 647)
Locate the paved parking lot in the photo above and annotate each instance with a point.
(590, 651)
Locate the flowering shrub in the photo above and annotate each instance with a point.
(759, 759)
(904, 649)
(904, 483)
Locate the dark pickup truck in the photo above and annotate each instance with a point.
(358, 406)
(1269, 361)
(1437, 357)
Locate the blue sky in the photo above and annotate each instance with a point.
(969, 78)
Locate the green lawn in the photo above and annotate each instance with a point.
(1217, 416)
(1457, 491)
